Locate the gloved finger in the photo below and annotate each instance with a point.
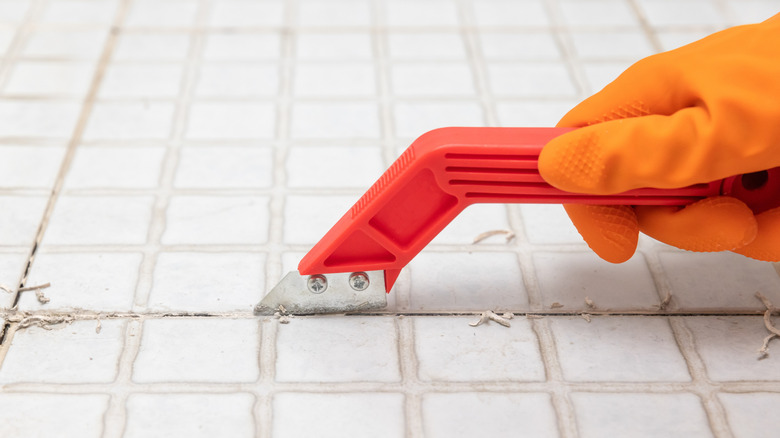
(650, 151)
(766, 245)
(635, 93)
(718, 223)
(611, 231)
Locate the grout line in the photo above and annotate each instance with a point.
(78, 133)
(702, 385)
(645, 25)
(562, 36)
(555, 383)
(23, 30)
(409, 378)
(116, 415)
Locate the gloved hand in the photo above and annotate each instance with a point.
(703, 112)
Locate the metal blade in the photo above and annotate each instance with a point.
(327, 293)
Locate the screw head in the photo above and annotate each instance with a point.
(317, 284)
(359, 281)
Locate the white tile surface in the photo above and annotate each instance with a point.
(338, 350)
(430, 13)
(64, 415)
(415, 119)
(20, 227)
(226, 350)
(230, 46)
(151, 46)
(335, 120)
(428, 79)
(193, 415)
(79, 12)
(65, 353)
(307, 218)
(230, 120)
(210, 220)
(84, 220)
(29, 166)
(224, 167)
(426, 46)
(479, 414)
(116, 167)
(326, 166)
(473, 221)
(618, 349)
(334, 80)
(685, 13)
(50, 78)
(338, 414)
(750, 415)
(247, 13)
(38, 119)
(448, 349)
(162, 14)
(239, 79)
(336, 13)
(640, 415)
(526, 46)
(206, 282)
(65, 44)
(531, 80)
(515, 14)
(130, 121)
(548, 224)
(141, 81)
(331, 46)
(598, 13)
(569, 278)
(94, 281)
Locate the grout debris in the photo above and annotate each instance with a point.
(282, 315)
(665, 302)
(482, 236)
(590, 303)
(774, 331)
(556, 305)
(585, 316)
(489, 315)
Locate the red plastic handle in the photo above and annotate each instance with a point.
(448, 169)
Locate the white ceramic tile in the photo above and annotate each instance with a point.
(247, 13)
(333, 166)
(640, 415)
(729, 346)
(38, 119)
(29, 166)
(50, 78)
(661, 13)
(130, 120)
(432, 79)
(334, 80)
(207, 282)
(79, 44)
(12, 266)
(746, 12)
(331, 46)
(229, 46)
(12, 11)
(68, 353)
(719, 281)
(19, 228)
(6, 37)
(449, 349)
(216, 220)
(231, 120)
(308, 218)
(466, 281)
(531, 80)
(677, 38)
(198, 350)
(533, 114)
(598, 13)
(473, 221)
(421, 13)
(115, 167)
(337, 13)
(751, 415)
(626, 44)
(141, 81)
(537, 46)
(331, 119)
(426, 46)
(514, 14)
(618, 349)
(226, 79)
(413, 119)
(548, 224)
(338, 415)
(224, 167)
(488, 414)
(79, 12)
(568, 278)
(599, 74)
(45, 414)
(191, 415)
(85, 220)
(356, 349)
(162, 14)
(151, 46)
(92, 281)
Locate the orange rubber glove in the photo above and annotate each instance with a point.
(703, 112)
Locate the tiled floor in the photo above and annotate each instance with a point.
(167, 161)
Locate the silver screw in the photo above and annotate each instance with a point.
(358, 281)
(317, 284)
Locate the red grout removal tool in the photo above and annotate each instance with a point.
(445, 170)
